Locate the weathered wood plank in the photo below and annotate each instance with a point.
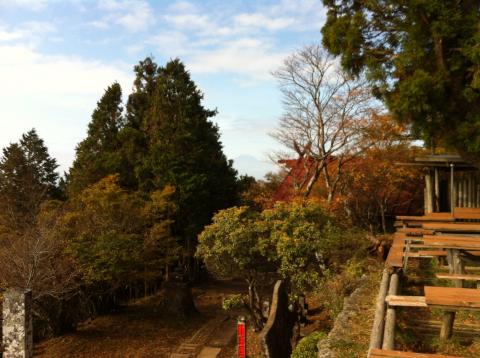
(452, 296)
(429, 217)
(452, 227)
(406, 301)
(452, 276)
(415, 231)
(467, 213)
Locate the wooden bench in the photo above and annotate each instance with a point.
(382, 353)
(466, 213)
(453, 298)
(415, 231)
(450, 298)
(452, 242)
(452, 227)
(456, 276)
(395, 255)
(428, 217)
(432, 253)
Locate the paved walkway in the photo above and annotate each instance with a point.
(209, 340)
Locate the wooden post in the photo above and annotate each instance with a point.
(376, 337)
(470, 190)
(428, 193)
(452, 189)
(437, 191)
(447, 325)
(389, 331)
(455, 266)
(458, 267)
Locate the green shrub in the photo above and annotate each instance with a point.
(233, 302)
(307, 347)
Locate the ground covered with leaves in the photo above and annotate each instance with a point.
(141, 329)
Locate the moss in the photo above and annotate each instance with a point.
(307, 347)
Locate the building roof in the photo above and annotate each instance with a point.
(442, 161)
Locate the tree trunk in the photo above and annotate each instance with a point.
(382, 216)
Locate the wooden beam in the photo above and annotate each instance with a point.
(376, 337)
(389, 331)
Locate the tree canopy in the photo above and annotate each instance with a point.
(27, 177)
(422, 56)
(98, 154)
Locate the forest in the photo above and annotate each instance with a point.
(151, 198)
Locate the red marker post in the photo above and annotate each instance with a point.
(241, 338)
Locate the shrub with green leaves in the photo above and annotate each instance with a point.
(307, 347)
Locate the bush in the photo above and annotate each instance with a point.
(233, 302)
(307, 347)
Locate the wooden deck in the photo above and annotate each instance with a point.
(431, 236)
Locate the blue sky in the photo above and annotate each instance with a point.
(57, 57)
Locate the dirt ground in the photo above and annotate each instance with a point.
(139, 329)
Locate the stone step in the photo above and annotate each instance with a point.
(209, 352)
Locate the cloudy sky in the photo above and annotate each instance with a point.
(57, 57)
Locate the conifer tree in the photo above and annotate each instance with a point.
(98, 155)
(27, 178)
(133, 138)
(185, 152)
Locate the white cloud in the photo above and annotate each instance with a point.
(263, 21)
(31, 31)
(6, 35)
(183, 6)
(138, 18)
(222, 40)
(34, 5)
(99, 24)
(26, 71)
(134, 16)
(55, 94)
(174, 43)
(246, 56)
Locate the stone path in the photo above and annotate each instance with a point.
(209, 340)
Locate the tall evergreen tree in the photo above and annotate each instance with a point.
(133, 138)
(185, 151)
(98, 155)
(27, 178)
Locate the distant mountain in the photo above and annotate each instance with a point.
(248, 164)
